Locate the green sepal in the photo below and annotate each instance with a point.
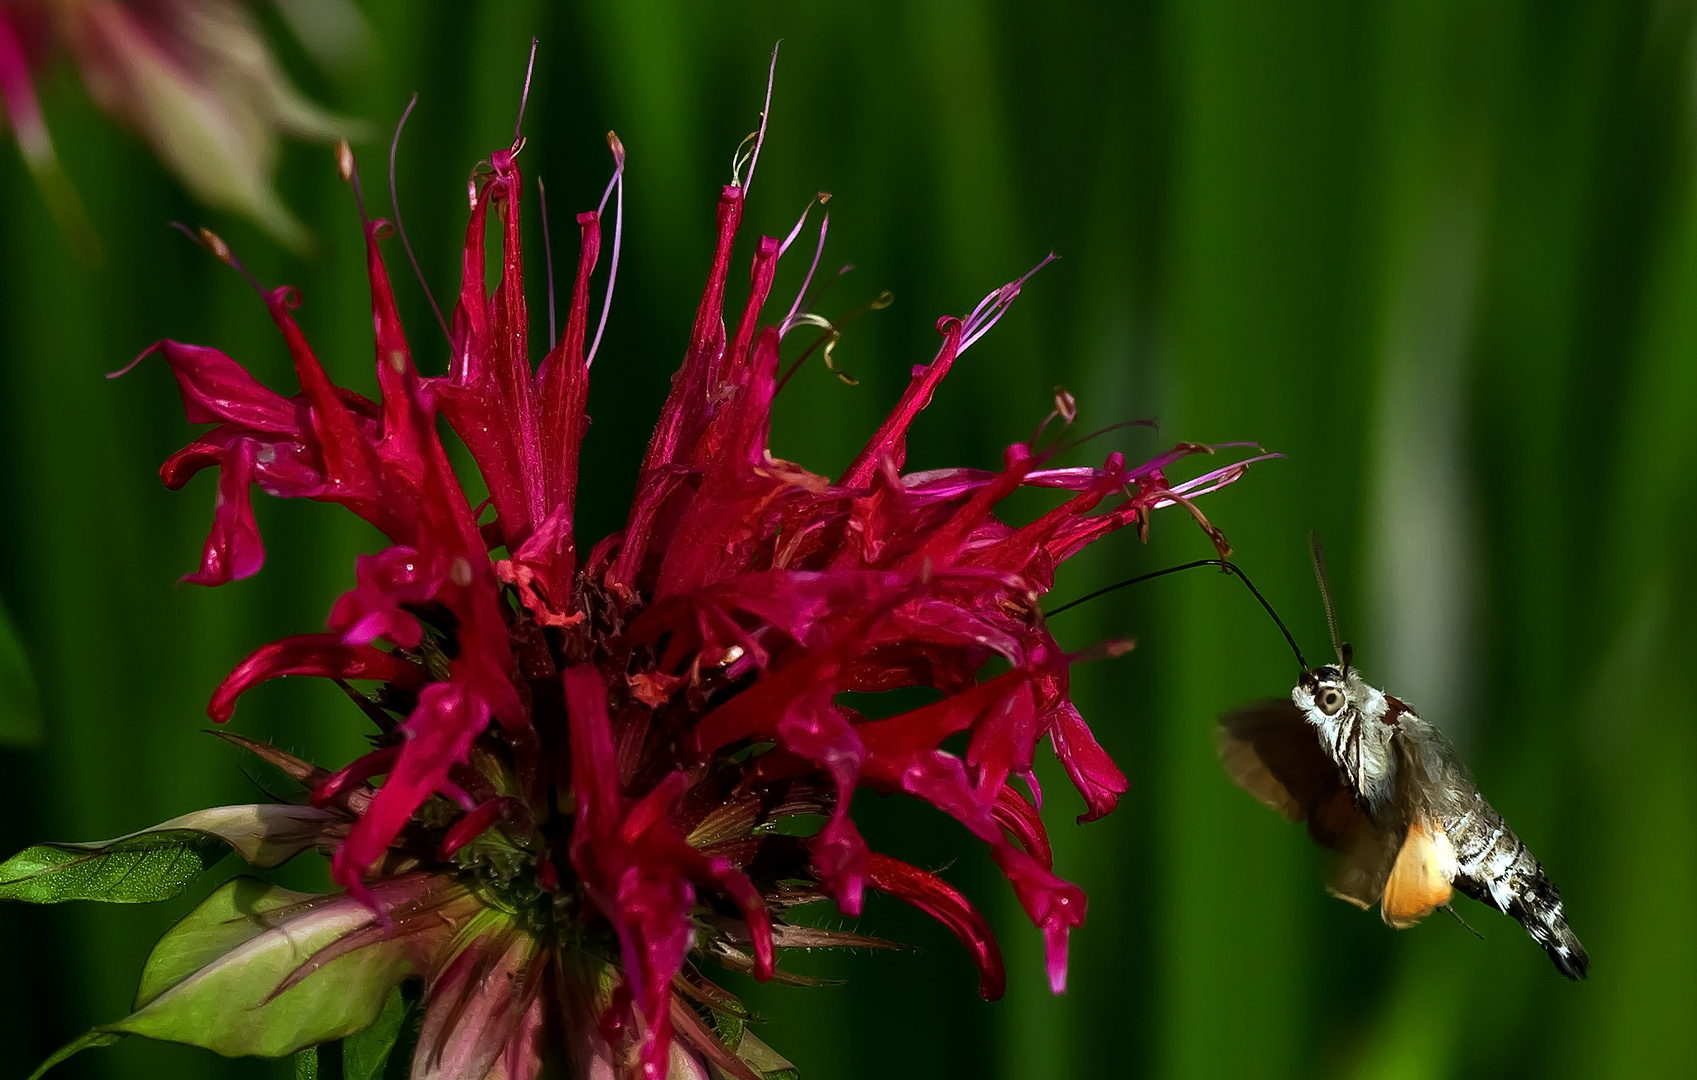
(20, 705)
(306, 1064)
(159, 863)
(76, 1046)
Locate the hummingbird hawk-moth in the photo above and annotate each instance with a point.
(1384, 789)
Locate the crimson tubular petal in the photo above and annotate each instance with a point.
(634, 716)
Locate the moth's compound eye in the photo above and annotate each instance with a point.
(1329, 699)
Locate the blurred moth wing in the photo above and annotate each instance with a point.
(1271, 751)
(1361, 872)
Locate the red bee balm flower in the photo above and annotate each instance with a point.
(598, 739)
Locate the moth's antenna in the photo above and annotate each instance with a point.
(1339, 646)
(1224, 564)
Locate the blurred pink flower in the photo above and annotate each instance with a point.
(194, 77)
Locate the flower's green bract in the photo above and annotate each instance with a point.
(225, 978)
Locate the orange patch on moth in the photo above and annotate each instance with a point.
(1420, 881)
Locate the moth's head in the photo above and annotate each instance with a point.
(1322, 692)
(1327, 692)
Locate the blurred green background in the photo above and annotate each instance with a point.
(1441, 254)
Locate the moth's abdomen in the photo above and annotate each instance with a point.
(1494, 867)
(1538, 908)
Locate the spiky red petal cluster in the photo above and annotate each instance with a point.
(743, 597)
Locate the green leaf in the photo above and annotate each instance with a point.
(263, 834)
(158, 863)
(765, 1060)
(321, 1062)
(365, 1054)
(81, 1043)
(729, 1029)
(132, 870)
(754, 1053)
(399, 1066)
(20, 705)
